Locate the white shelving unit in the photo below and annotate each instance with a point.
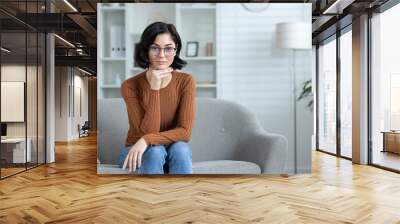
(197, 22)
(194, 22)
(111, 70)
(113, 8)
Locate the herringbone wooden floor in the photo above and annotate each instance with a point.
(70, 191)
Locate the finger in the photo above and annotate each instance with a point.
(130, 162)
(134, 161)
(169, 69)
(126, 160)
(160, 78)
(163, 71)
(163, 76)
(157, 77)
(139, 159)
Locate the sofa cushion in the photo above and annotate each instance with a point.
(225, 167)
(205, 167)
(110, 169)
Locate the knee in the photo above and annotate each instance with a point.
(155, 152)
(180, 149)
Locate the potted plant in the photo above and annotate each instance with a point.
(306, 93)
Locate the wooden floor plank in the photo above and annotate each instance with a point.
(70, 191)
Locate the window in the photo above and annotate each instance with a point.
(327, 96)
(346, 94)
(22, 65)
(385, 89)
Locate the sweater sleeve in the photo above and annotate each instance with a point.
(144, 117)
(185, 120)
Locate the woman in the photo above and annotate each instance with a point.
(161, 106)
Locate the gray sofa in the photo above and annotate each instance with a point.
(226, 139)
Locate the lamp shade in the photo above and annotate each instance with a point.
(293, 35)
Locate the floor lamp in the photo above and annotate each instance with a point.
(294, 36)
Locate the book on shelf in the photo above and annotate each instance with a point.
(117, 41)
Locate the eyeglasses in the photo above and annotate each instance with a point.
(168, 51)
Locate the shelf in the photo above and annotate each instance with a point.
(203, 92)
(111, 93)
(200, 7)
(112, 59)
(194, 6)
(205, 58)
(204, 85)
(136, 69)
(110, 86)
(113, 8)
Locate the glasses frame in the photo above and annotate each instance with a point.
(163, 49)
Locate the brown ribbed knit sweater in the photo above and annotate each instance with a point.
(160, 116)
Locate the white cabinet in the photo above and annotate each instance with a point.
(17, 148)
(194, 22)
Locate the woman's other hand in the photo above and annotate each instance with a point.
(155, 77)
(134, 157)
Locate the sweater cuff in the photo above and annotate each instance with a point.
(146, 139)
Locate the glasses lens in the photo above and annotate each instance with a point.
(154, 50)
(169, 51)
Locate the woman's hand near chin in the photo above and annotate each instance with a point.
(134, 157)
(155, 76)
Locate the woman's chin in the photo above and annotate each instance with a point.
(161, 66)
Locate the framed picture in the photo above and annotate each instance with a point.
(192, 48)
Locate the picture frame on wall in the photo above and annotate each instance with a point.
(192, 48)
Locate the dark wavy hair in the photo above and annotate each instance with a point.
(147, 39)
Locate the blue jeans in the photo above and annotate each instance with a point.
(176, 159)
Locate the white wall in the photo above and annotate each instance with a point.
(80, 83)
(17, 72)
(254, 73)
(12, 100)
(61, 103)
(66, 101)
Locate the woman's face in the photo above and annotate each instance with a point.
(162, 51)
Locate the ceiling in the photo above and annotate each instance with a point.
(79, 27)
(76, 26)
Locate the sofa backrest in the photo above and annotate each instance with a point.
(218, 126)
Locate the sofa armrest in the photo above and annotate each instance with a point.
(268, 150)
